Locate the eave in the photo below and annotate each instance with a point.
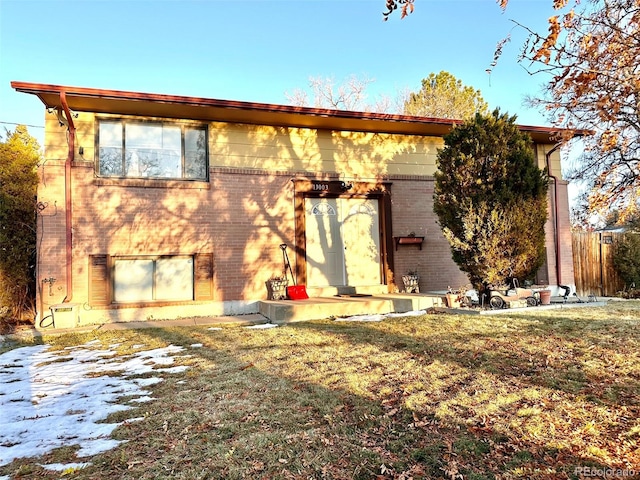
(119, 102)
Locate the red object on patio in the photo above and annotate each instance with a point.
(294, 292)
(297, 292)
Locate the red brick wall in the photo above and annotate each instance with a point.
(242, 216)
(51, 231)
(412, 212)
(565, 240)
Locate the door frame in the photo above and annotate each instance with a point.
(311, 188)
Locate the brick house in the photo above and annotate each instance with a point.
(160, 206)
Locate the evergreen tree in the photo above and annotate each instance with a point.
(444, 96)
(491, 200)
(19, 158)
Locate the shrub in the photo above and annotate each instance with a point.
(19, 158)
(491, 200)
(626, 258)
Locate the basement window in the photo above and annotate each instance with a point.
(125, 281)
(136, 149)
(152, 279)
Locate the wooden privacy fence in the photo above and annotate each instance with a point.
(593, 263)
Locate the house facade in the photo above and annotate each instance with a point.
(162, 206)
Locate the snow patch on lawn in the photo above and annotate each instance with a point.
(50, 399)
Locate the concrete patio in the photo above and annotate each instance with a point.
(285, 311)
(316, 308)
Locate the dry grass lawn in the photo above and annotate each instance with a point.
(539, 395)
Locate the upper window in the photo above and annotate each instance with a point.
(151, 150)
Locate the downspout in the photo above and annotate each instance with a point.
(555, 215)
(67, 193)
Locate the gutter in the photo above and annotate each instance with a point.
(68, 121)
(556, 228)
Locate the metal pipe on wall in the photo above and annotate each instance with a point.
(67, 193)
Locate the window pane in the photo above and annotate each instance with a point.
(195, 154)
(110, 152)
(133, 280)
(174, 278)
(153, 151)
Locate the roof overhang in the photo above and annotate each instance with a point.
(119, 102)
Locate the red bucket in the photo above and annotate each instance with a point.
(297, 292)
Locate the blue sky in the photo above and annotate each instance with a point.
(256, 50)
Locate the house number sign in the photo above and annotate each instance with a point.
(320, 187)
(331, 187)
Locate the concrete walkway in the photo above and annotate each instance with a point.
(240, 320)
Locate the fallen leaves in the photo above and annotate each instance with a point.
(427, 397)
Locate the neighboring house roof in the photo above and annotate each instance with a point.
(82, 99)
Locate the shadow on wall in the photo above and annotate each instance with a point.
(243, 214)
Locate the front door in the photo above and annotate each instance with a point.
(342, 242)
